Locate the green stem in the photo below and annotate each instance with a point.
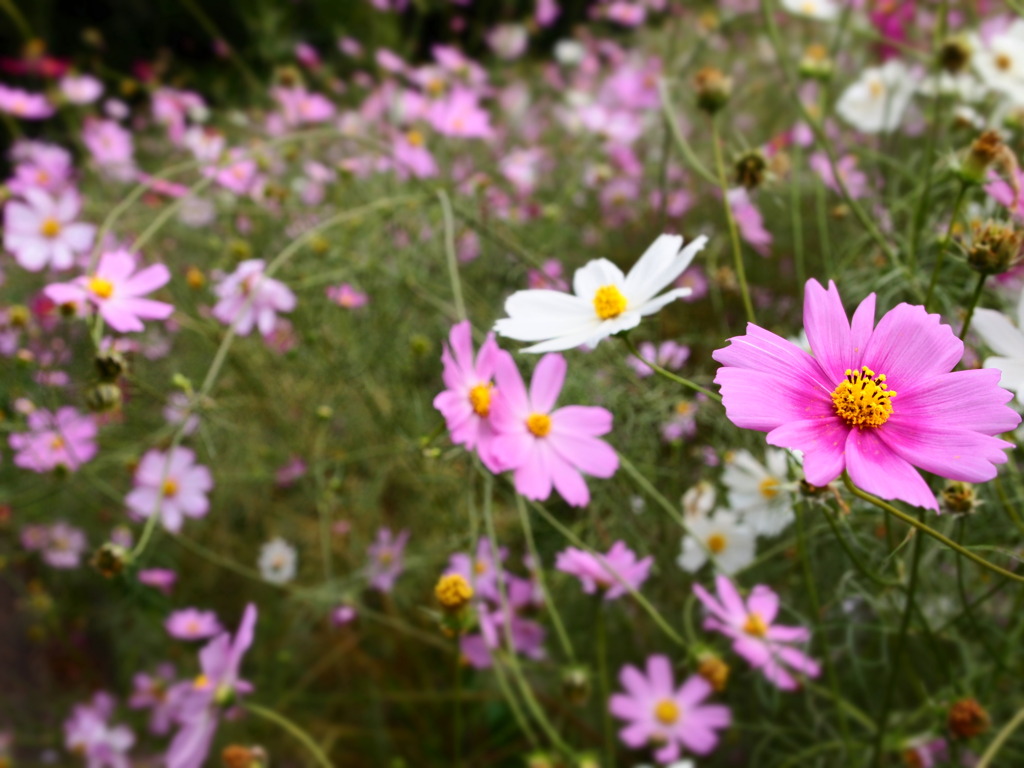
(857, 562)
(730, 220)
(922, 207)
(298, 733)
(919, 525)
(997, 743)
(974, 303)
(603, 681)
(457, 737)
(449, 246)
(18, 18)
(944, 245)
(668, 374)
(167, 213)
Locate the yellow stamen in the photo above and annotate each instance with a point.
(201, 682)
(480, 567)
(716, 542)
(170, 487)
(666, 711)
(1003, 62)
(50, 227)
(769, 487)
(57, 443)
(415, 138)
(480, 399)
(539, 424)
(863, 399)
(609, 302)
(453, 591)
(384, 558)
(101, 287)
(755, 625)
(876, 88)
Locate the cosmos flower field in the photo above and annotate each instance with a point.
(622, 383)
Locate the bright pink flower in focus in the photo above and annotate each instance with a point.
(115, 289)
(767, 646)
(876, 401)
(546, 447)
(173, 484)
(606, 572)
(658, 713)
(65, 439)
(42, 231)
(466, 403)
(249, 299)
(192, 624)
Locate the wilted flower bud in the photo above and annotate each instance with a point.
(18, 315)
(103, 396)
(576, 684)
(237, 756)
(958, 498)
(111, 365)
(453, 592)
(713, 89)
(954, 54)
(815, 64)
(714, 670)
(995, 247)
(984, 151)
(110, 559)
(319, 244)
(195, 278)
(750, 169)
(967, 718)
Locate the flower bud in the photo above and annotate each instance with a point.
(18, 315)
(237, 756)
(714, 670)
(983, 152)
(750, 169)
(995, 247)
(110, 365)
(195, 278)
(967, 719)
(110, 559)
(713, 89)
(958, 498)
(954, 54)
(453, 592)
(103, 396)
(815, 64)
(576, 684)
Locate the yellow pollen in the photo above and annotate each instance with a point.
(201, 682)
(98, 286)
(480, 399)
(876, 88)
(384, 558)
(539, 424)
(609, 302)
(716, 542)
(453, 591)
(755, 625)
(863, 399)
(57, 443)
(769, 487)
(170, 487)
(684, 407)
(1003, 62)
(415, 138)
(666, 711)
(50, 227)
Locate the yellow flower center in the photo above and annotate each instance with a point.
(453, 591)
(863, 399)
(57, 443)
(50, 227)
(716, 542)
(876, 88)
(755, 625)
(480, 567)
(170, 487)
(1003, 62)
(609, 302)
(98, 286)
(415, 138)
(201, 682)
(809, 7)
(666, 711)
(386, 557)
(769, 487)
(480, 399)
(539, 424)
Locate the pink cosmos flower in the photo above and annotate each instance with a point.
(81, 89)
(855, 180)
(65, 439)
(249, 299)
(112, 148)
(480, 570)
(346, 296)
(204, 699)
(460, 115)
(116, 291)
(88, 733)
(1009, 195)
(153, 691)
(42, 231)
(343, 614)
(192, 624)
(668, 354)
(46, 166)
(171, 484)
(609, 573)
(410, 156)
(301, 107)
(158, 578)
(546, 447)
(873, 400)
(386, 559)
(23, 104)
(749, 221)
(658, 713)
(765, 645)
(64, 546)
(467, 401)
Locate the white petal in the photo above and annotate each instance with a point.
(652, 306)
(660, 265)
(596, 274)
(998, 332)
(539, 314)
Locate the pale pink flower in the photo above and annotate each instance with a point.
(459, 114)
(668, 355)
(28, 106)
(41, 231)
(386, 559)
(346, 296)
(64, 545)
(81, 89)
(300, 107)
(65, 439)
(608, 574)
(854, 179)
(87, 732)
(158, 578)
(154, 692)
(508, 41)
(249, 299)
(749, 221)
(192, 624)
(171, 484)
(111, 146)
(411, 157)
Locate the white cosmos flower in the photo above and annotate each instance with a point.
(605, 300)
(761, 494)
(699, 500)
(1000, 64)
(877, 101)
(823, 10)
(720, 537)
(278, 561)
(1007, 341)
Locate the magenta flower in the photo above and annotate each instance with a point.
(386, 559)
(466, 403)
(171, 484)
(204, 699)
(609, 573)
(248, 299)
(42, 231)
(766, 646)
(459, 114)
(117, 293)
(659, 714)
(24, 104)
(65, 439)
(192, 624)
(546, 447)
(876, 401)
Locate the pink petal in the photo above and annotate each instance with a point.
(764, 602)
(828, 329)
(589, 455)
(910, 346)
(823, 442)
(581, 420)
(962, 399)
(876, 469)
(547, 382)
(148, 280)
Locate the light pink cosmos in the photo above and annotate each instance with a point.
(111, 146)
(410, 156)
(659, 714)
(65, 439)
(875, 401)
(749, 221)
(41, 231)
(116, 289)
(301, 107)
(854, 179)
(249, 299)
(171, 484)
(460, 115)
(1006, 194)
(346, 296)
(469, 395)
(64, 545)
(767, 646)
(480, 570)
(87, 732)
(163, 579)
(81, 89)
(547, 448)
(153, 691)
(609, 573)
(192, 624)
(668, 355)
(40, 165)
(23, 104)
(386, 559)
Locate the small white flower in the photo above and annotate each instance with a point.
(278, 561)
(760, 493)
(605, 300)
(877, 101)
(1000, 64)
(699, 500)
(1007, 341)
(823, 10)
(720, 537)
